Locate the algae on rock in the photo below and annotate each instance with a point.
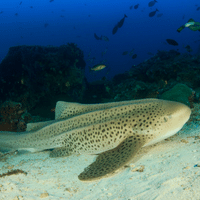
(180, 93)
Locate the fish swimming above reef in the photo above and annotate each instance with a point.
(118, 25)
(151, 14)
(134, 56)
(115, 132)
(121, 22)
(172, 42)
(136, 6)
(97, 67)
(191, 24)
(188, 48)
(115, 29)
(152, 3)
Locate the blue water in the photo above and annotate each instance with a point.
(76, 21)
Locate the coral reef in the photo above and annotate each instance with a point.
(153, 77)
(29, 74)
(37, 77)
(13, 117)
(180, 93)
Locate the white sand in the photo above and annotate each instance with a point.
(169, 173)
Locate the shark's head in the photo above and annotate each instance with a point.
(167, 119)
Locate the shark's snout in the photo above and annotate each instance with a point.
(179, 113)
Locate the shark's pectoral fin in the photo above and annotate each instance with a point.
(61, 152)
(109, 162)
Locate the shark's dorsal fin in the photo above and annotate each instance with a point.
(65, 110)
(191, 20)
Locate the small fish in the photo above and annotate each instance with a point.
(188, 48)
(1, 12)
(20, 3)
(105, 38)
(97, 67)
(16, 14)
(191, 24)
(151, 14)
(31, 6)
(160, 15)
(198, 8)
(115, 29)
(183, 17)
(172, 42)
(97, 37)
(121, 22)
(125, 53)
(51, 1)
(152, 3)
(134, 56)
(130, 7)
(136, 6)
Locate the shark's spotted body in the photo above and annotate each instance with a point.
(115, 131)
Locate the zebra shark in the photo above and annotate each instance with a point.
(114, 131)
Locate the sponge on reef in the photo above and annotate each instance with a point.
(179, 93)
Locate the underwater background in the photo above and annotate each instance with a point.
(95, 51)
(54, 52)
(58, 22)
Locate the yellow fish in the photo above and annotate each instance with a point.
(97, 67)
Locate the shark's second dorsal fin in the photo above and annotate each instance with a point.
(37, 125)
(191, 20)
(66, 110)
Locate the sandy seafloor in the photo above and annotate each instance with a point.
(169, 172)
